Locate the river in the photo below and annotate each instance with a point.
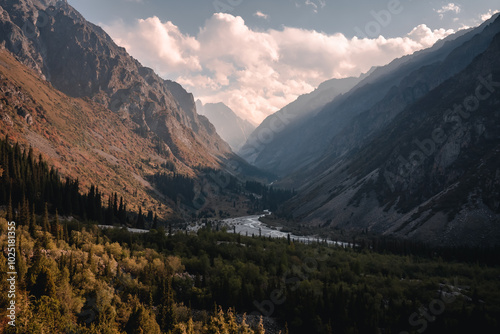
(249, 225)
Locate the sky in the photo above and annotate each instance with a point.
(256, 56)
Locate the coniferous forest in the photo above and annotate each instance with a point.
(73, 277)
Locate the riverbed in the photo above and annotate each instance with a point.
(251, 225)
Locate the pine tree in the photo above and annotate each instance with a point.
(115, 205)
(65, 233)
(122, 212)
(217, 323)
(10, 215)
(32, 224)
(141, 321)
(155, 222)
(20, 261)
(54, 227)
(167, 318)
(24, 212)
(45, 219)
(45, 284)
(109, 212)
(90, 256)
(140, 219)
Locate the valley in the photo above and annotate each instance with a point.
(257, 178)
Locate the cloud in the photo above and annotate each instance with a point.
(261, 15)
(489, 14)
(450, 7)
(258, 72)
(160, 45)
(315, 4)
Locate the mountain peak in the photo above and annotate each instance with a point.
(232, 128)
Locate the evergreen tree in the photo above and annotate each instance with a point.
(155, 222)
(54, 227)
(141, 321)
(65, 233)
(44, 284)
(20, 261)
(10, 215)
(140, 219)
(217, 323)
(45, 219)
(166, 314)
(115, 205)
(90, 256)
(24, 212)
(32, 223)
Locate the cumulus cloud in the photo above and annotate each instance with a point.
(450, 7)
(158, 43)
(258, 72)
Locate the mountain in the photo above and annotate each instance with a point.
(81, 60)
(103, 118)
(233, 129)
(388, 89)
(289, 117)
(80, 138)
(430, 172)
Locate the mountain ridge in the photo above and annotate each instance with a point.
(448, 196)
(316, 133)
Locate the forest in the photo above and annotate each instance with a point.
(74, 277)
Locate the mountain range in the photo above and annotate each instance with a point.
(394, 155)
(409, 149)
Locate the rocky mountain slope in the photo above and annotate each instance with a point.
(100, 116)
(233, 129)
(81, 138)
(386, 92)
(80, 59)
(274, 132)
(432, 173)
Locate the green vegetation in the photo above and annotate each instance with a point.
(76, 278)
(175, 186)
(268, 197)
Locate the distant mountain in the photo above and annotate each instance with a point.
(289, 117)
(286, 147)
(233, 129)
(430, 171)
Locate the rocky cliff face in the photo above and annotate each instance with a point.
(81, 60)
